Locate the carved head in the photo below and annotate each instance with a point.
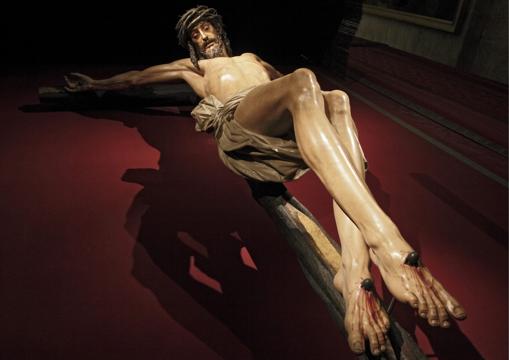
(201, 31)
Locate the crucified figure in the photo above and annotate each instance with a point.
(274, 127)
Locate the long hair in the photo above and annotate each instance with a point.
(189, 20)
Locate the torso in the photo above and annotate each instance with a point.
(223, 77)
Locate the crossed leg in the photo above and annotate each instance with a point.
(296, 101)
(364, 316)
(408, 280)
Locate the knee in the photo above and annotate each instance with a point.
(304, 84)
(338, 100)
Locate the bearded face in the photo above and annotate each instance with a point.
(207, 41)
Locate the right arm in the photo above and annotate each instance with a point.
(180, 70)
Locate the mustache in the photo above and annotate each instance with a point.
(209, 42)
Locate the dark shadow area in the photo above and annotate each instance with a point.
(473, 216)
(195, 223)
(449, 343)
(138, 99)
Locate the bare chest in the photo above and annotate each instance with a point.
(226, 76)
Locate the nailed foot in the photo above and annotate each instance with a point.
(365, 317)
(411, 282)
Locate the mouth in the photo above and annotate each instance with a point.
(210, 45)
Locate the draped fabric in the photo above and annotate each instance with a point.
(246, 153)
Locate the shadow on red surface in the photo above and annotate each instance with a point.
(189, 198)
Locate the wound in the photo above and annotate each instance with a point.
(370, 298)
(367, 284)
(413, 259)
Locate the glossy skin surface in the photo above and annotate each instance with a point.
(328, 142)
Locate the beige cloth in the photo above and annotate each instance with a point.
(246, 153)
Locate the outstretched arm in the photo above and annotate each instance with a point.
(180, 70)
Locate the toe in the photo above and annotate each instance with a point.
(439, 315)
(431, 307)
(411, 299)
(383, 320)
(422, 307)
(451, 304)
(380, 334)
(442, 315)
(459, 312)
(433, 316)
(373, 341)
(352, 325)
(356, 342)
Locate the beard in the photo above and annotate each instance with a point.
(216, 49)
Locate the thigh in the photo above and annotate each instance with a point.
(264, 110)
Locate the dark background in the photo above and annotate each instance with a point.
(143, 32)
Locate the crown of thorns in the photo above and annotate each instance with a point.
(192, 17)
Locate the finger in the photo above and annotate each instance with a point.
(68, 79)
(75, 77)
(72, 84)
(82, 77)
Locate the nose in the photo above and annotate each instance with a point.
(203, 35)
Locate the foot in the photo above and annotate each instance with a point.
(411, 282)
(364, 317)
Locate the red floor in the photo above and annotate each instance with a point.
(154, 266)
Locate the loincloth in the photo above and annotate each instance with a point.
(246, 153)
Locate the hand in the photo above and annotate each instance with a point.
(78, 82)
